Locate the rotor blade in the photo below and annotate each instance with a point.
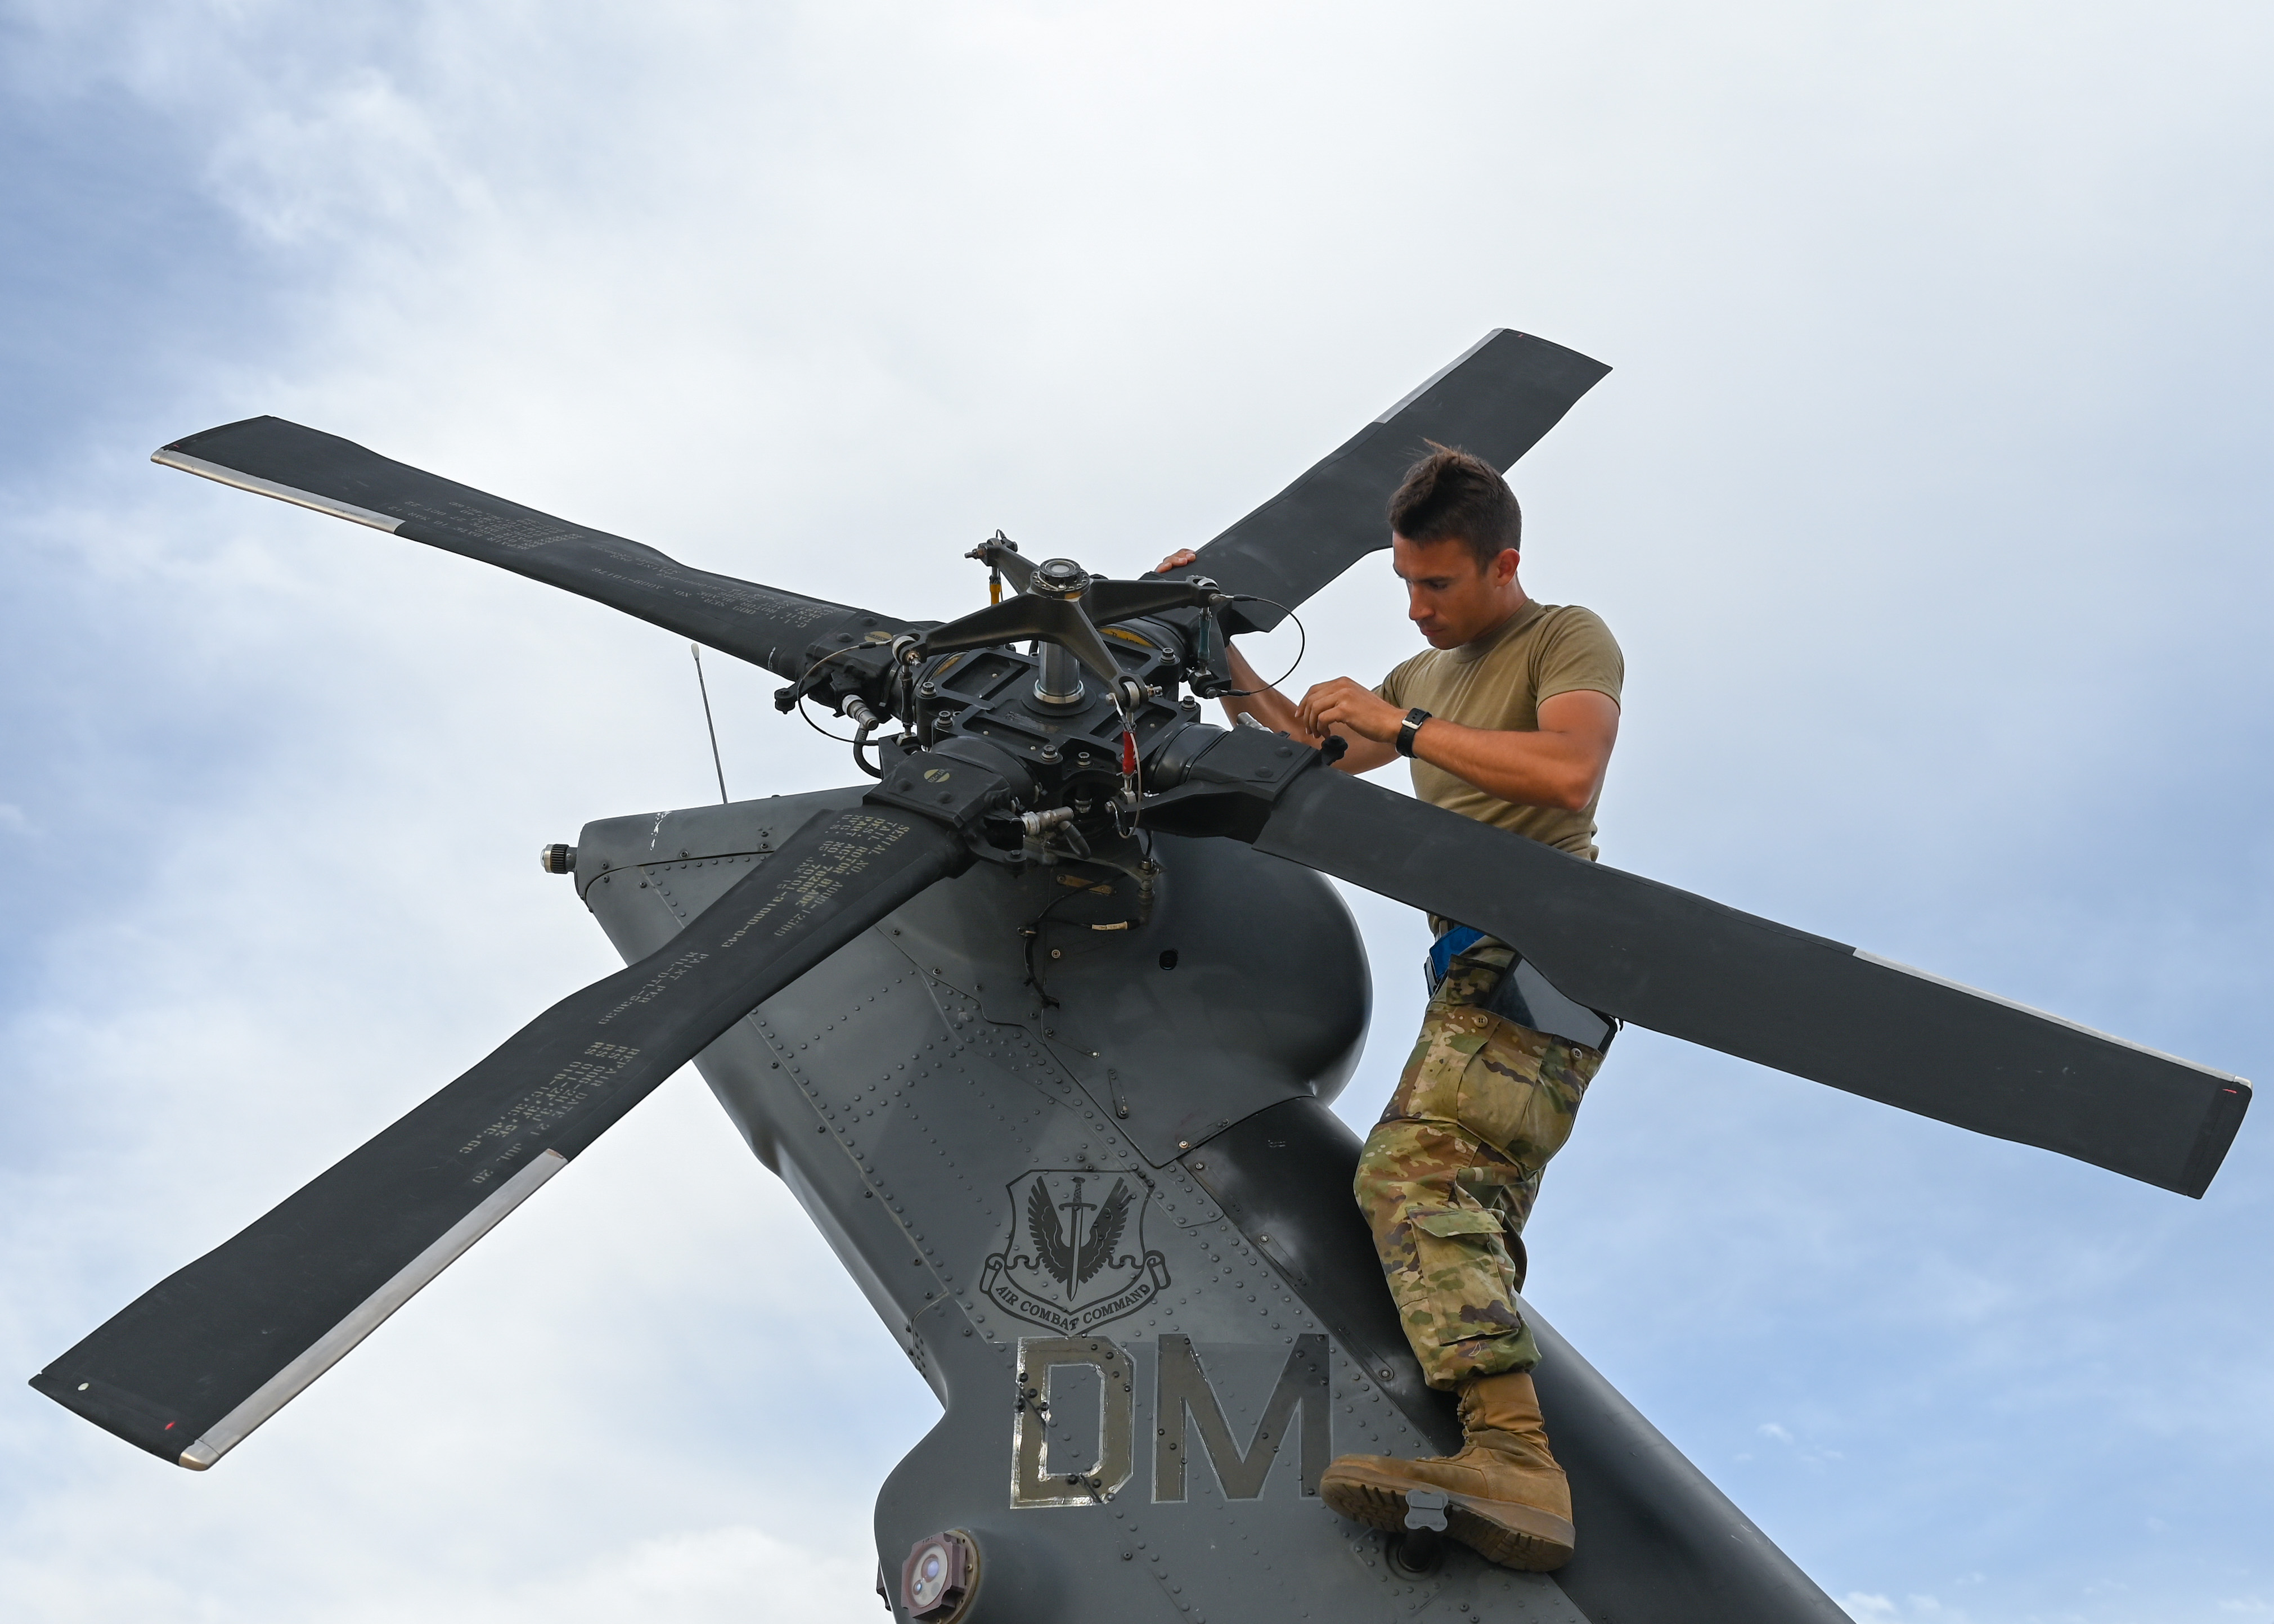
(1014, 620)
(1694, 969)
(1109, 601)
(1496, 400)
(202, 1358)
(271, 457)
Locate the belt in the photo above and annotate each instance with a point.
(1448, 947)
(1523, 995)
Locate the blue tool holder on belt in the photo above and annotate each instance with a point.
(1523, 995)
(1448, 947)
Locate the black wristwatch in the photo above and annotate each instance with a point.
(1411, 727)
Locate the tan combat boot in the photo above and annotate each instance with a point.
(1508, 1498)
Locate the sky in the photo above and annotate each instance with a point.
(1929, 499)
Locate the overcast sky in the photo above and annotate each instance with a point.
(1930, 499)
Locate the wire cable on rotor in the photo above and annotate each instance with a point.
(1133, 767)
(1302, 646)
(803, 694)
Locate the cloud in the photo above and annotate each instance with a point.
(706, 1577)
(1870, 1608)
(1926, 500)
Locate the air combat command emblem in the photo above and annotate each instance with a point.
(1076, 1256)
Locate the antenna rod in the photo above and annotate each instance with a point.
(695, 649)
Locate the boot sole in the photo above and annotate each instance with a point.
(1524, 1537)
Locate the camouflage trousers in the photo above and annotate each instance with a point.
(1448, 1175)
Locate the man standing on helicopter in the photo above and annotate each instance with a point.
(1509, 716)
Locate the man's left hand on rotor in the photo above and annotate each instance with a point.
(1345, 702)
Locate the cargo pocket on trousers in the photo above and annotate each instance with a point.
(1521, 1093)
(1463, 1283)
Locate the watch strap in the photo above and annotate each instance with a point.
(1409, 728)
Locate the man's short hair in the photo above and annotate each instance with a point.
(1450, 494)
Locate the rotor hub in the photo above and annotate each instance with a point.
(1058, 683)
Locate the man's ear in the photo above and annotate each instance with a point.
(1503, 566)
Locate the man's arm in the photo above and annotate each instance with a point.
(1560, 765)
(1281, 714)
(1267, 705)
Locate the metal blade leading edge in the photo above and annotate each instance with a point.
(196, 1362)
(1495, 399)
(271, 457)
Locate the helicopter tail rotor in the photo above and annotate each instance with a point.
(268, 456)
(1637, 950)
(996, 767)
(1496, 400)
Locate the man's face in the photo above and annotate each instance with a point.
(1447, 596)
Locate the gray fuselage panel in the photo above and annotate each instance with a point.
(998, 1105)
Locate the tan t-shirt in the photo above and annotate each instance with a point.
(1498, 681)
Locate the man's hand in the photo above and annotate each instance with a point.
(1351, 707)
(1368, 749)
